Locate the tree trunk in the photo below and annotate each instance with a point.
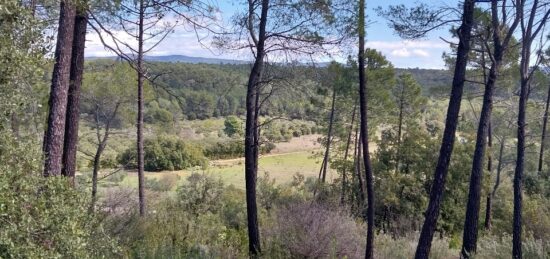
(440, 175)
(359, 170)
(400, 128)
(140, 155)
(73, 103)
(488, 202)
(329, 138)
(251, 168)
(543, 136)
(369, 251)
(96, 168)
(469, 238)
(491, 196)
(55, 131)
(346, 152)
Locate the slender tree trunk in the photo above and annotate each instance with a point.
(469, 239)
(329, 138)
(369, 251)
(359, 171)
(251, 132)
(488, 202)
(346, 152)
(518, 175)
(543, 136)
(440, 175)
(140, 154)
(102, 143)
(400, 128)
(73, 103)
(491, 196)
(96, 168)
(55, 131)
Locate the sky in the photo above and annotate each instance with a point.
(423, 53)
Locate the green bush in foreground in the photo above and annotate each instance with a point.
(44, 217)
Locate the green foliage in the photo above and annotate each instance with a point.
(165, 153)
(233, 126)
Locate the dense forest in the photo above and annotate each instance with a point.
(279, 154)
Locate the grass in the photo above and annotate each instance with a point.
(281, 167)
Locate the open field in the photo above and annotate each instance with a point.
(300, 155)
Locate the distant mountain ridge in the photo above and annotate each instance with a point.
(184, 59)
(430, 79)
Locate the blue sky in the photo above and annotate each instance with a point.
(424, 53)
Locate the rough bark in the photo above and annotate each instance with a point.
(140, 79)
(329, 139)
(440, 174)
(543, 136)
(251, 132)
(369, 251)
(73, 103)
(55, 131)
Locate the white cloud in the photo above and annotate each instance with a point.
(402, 53)
(421, 53)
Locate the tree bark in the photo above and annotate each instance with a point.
(73, 103)
(369, 251)
(440, 175)
(329, 139)
(55, 131)
(543, 136)
(140, 79)
(251, 168)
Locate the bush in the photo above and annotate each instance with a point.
(44, 217)
(165, 153)
(165, 183)
(311, 230)
(232, 149)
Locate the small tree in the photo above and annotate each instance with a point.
(233, 126)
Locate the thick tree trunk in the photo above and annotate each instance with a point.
(329, 139)
(543, 136)
(55, 131)
(73, 103)
(440, 175)
(369, 251)
(251, 136)
(346, 152)
(140, 154)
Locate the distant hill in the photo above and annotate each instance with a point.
(183, 59)
(433, 81)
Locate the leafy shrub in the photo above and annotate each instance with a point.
(232, 149)
(165, 153)
(163, 184)
(44, 217)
